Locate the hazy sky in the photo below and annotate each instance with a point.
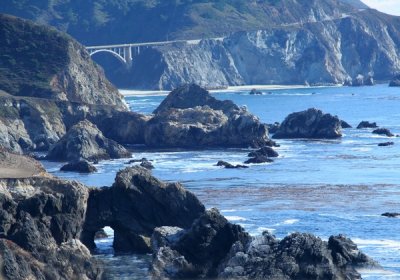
(386, 6)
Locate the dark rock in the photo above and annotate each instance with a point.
(264, 151)
(360, 80)
(81, 166)
(366, 124)
(147, 164)
(85, 141)
(383, 131)
(395, 82)
(135, 205)
(191, 118)
(273, 128)
(258, 159)
(345, 124)
(255, 92)
(385, 144)
(391, 215)
(40, 223)
(100, 234)
(229, 165)
(137, 160)
(311, 123)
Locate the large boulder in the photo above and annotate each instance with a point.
(213, 248)
(312, 123)
(85, 141)
(40, 224)
(135, 205)
(395, 82)
(190, 117)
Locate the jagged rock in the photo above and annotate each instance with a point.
(147, 164)
(82, 166)
(311, 123)
(255, 92)
(395, 82)
(40, 223)
(345, 124)
(366, 124)
(85, 141)
(258, 159)
(135, 205)
(191, 118)
(201, 252)
(391, 215)
(196, 252)
(273, 128)
(229, 165)
(18, 166)
(383, 131)
(264, 151)
(386, 144)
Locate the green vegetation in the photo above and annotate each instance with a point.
(30, 56)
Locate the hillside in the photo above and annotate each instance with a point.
(118, 21)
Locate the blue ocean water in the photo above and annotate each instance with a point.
(322, 187)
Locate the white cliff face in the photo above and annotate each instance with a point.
(322, 52)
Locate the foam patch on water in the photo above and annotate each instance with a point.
(260, 230)
(235, 218)
(291, 221)
(385, 243)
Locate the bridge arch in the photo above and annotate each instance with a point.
(115, 54)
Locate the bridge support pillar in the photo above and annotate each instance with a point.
(128, 56)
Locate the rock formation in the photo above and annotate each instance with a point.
(81, 166)
(85, 141)
(311, 123)
(190, 117)
(214, 248)
(395, 82)
(228, 165)
(366, 124)
(383, 131)
(135, 205)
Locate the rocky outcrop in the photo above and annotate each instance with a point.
(395, 82)
(360, 80)
(386, 144)
(40, 224)
(391, 215)
(264, 151)
(228, 165)
(135, 205)
(191, 118)
(383, 131)
(81, 166)
(17, 166)
(366, 124)
(214, 248)
(312, 123)
(257, 159)
(85, 141)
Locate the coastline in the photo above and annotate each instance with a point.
(133, 92)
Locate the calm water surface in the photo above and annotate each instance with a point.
(323, 187)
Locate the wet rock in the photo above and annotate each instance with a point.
(258, 159)
(386, 144)
(383, 131)
(85, 141)
(273, 128)
(229, 165)
(40, 223)
(345, 124)
(395, 82)
(135, 205)
(255, 92)
(391, 215)
(312, 123)
(147, 164)
(82, 166)
(366, 124)
(100, 234)
(264, 151)
(191, 118)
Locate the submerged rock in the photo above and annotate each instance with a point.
(135, 205)
(214, 248)
(383, 131)
(191, 118)
(311, 123)
(385, 144)
(85, 141)
(366, 124)
(255, 92)
(81, 166)
(229, 165)
(391, 215)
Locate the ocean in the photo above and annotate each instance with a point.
(324, 187)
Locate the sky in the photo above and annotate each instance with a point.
(386, 6)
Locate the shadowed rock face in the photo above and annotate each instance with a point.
(214, 248)
(395, 82)
(85, 141)
(190, 117)
(311, 123)
(40, 224)
(135, 205)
